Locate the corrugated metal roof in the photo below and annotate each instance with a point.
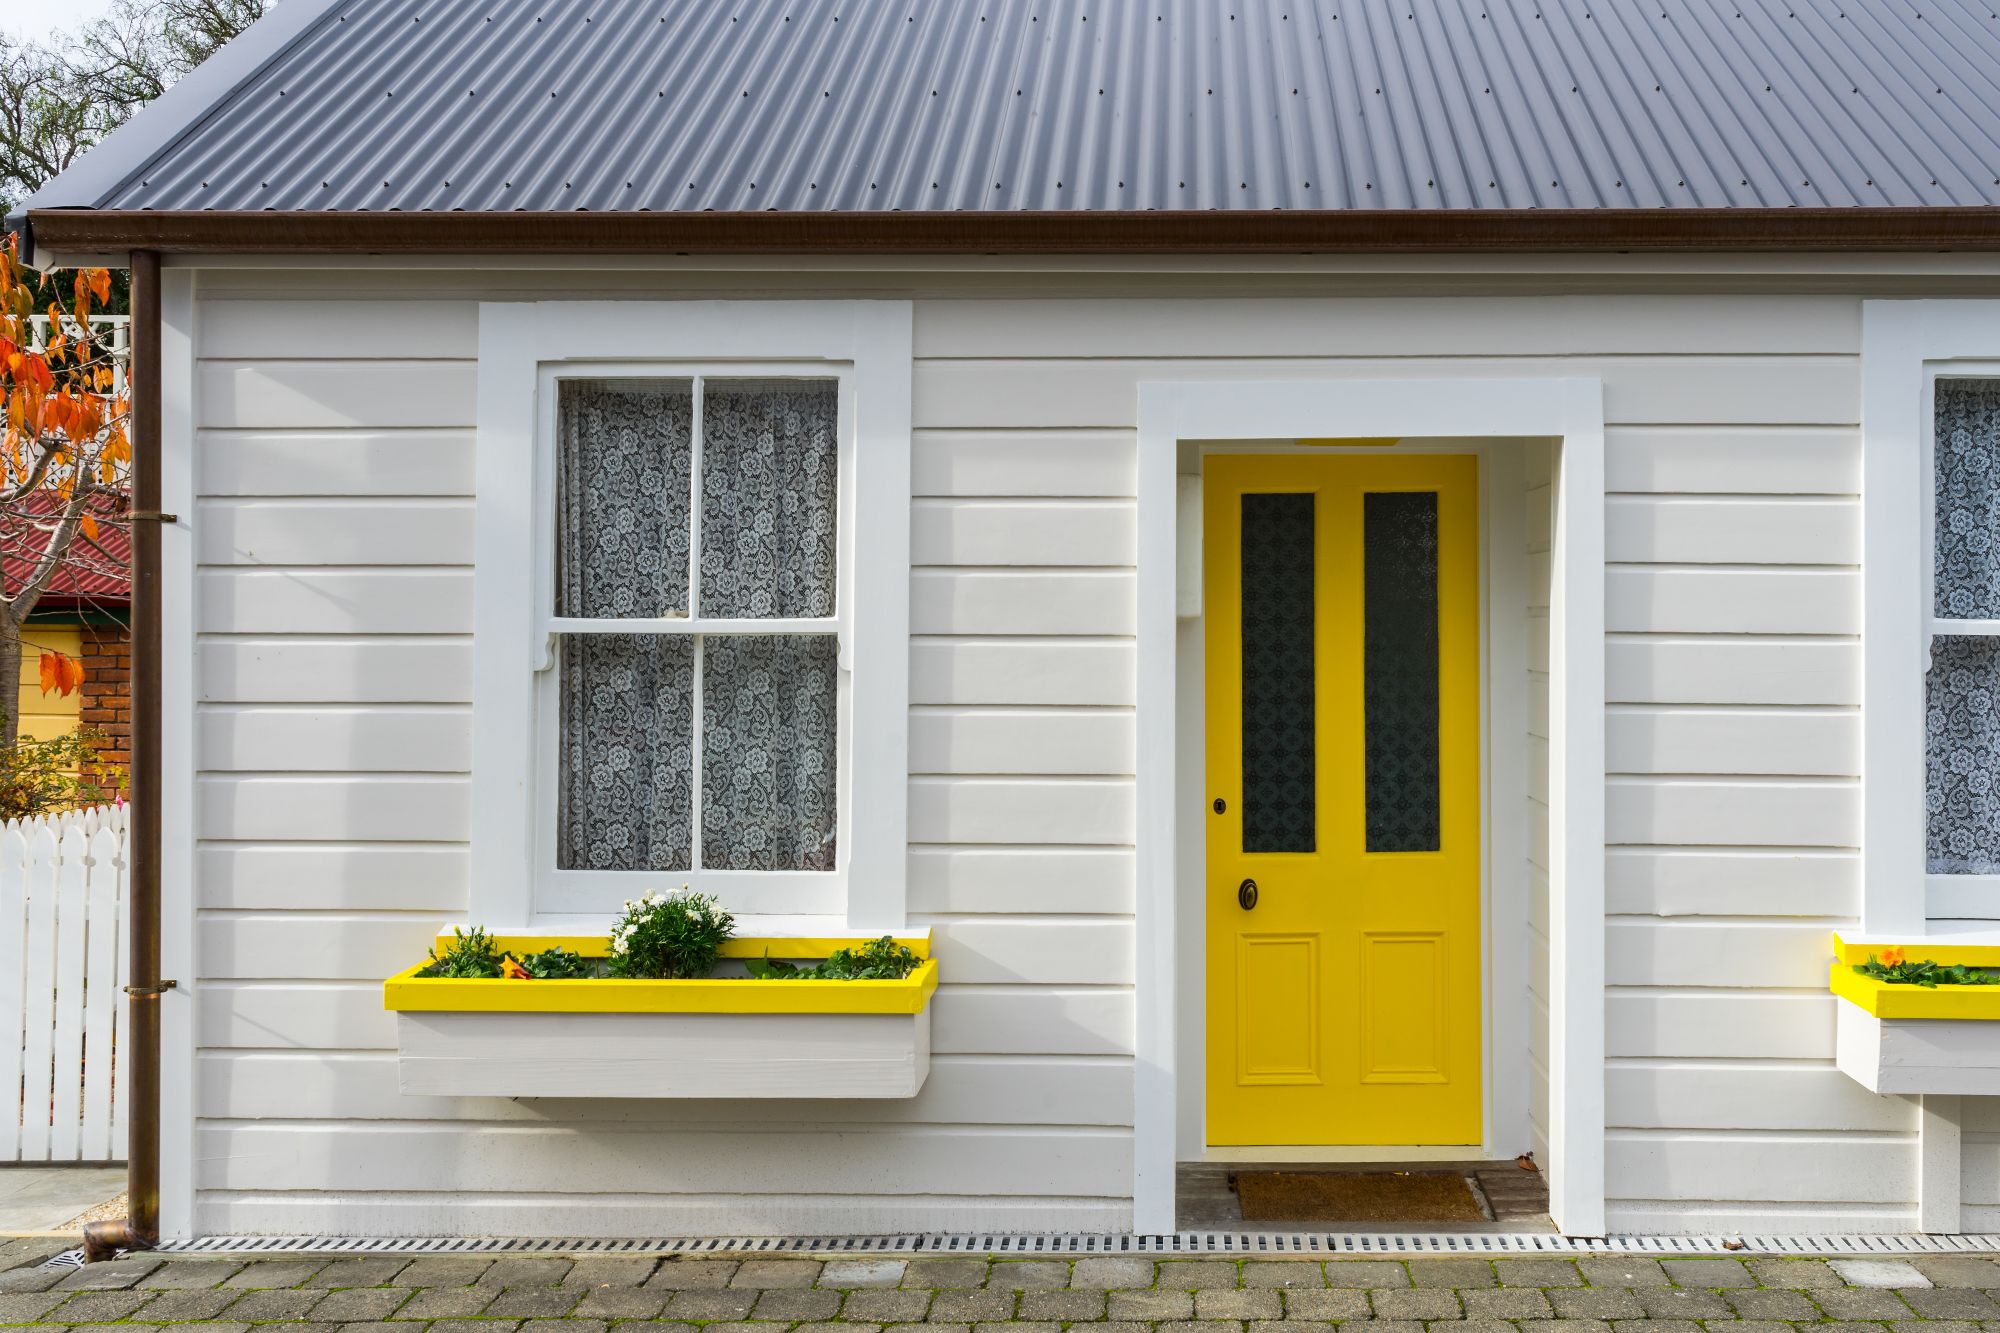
(830, 105)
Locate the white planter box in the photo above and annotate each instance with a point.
(1918, 1055)
(714, 1038)
(663, 1055)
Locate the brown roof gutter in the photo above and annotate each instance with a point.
(1080, 232)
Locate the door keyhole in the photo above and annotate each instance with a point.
(1246, 894)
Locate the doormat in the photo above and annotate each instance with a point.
(1355, 1196)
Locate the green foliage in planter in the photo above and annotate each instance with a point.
(467, 956)
(877, 960)
(557, 964)
(1925, 973)
(671, 935)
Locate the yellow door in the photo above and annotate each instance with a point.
(1343, 913)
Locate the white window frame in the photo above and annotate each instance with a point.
(1907, 346)
(526, 350)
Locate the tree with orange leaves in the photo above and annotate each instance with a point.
(65, 456)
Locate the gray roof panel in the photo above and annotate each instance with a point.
(1010, 105)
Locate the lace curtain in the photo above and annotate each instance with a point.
(769, 474)
(768, 704)
(623, 496)
(1962, 722)
(1966, 454)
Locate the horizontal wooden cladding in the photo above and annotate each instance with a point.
(415, 877)
(1064, 231)
(1722, 1025)
(526, 1159)
(1028, 880)
(1045, 394)
(1724, 953)
(1762, 1168)
(338, 946)
(1023, 532)
(965, 1090)
(335, 328)
(1084, 811)
(944, 671)
(1704, 530)
(615, 1215)
(1731, 601)
(1050, 951)
(1732, 1096)
(305, 533)
(1035, 464)
(1766, 813)
(291, 395)
(1733, 460)
(388, 670)
(328, 738)
(1021, 740)
(349, 807)
(968, 1020)
(1705, 881)
(1092, 602)
(1726, 670)
(334, 601)
(1186, 327)
(312, 946)
(1732, 740)
(1707, 1217)
(334, 463)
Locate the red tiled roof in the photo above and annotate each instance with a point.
(97, 575)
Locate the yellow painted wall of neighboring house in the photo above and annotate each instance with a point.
(45, 716)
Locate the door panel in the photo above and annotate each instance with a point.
(1343, 767)
(1278, 973)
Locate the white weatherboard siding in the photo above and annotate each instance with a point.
(334, 679)
(334, 732)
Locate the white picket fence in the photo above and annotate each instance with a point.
(63, 883)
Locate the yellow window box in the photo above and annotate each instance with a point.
(717, 1037)
(1894, 1038)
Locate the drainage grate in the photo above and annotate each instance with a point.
(67, 1259)
(1247, 1243)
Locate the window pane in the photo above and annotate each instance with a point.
(1962, 754)
(622, 497)
(768, 730)
(627, 752)
(1280, 779)
(1399, 685)
(1967, 464)
(770, 473)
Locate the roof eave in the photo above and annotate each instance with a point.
(1077, 232)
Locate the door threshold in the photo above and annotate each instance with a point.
(1206, 1197)
(1340, 1155)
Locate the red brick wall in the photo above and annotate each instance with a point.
(107, 690)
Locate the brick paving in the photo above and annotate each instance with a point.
(1098, 1294)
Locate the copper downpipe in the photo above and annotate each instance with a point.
(139, 1052)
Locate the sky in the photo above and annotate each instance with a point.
(43, 18)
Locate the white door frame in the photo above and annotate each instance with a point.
(1569, 410)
